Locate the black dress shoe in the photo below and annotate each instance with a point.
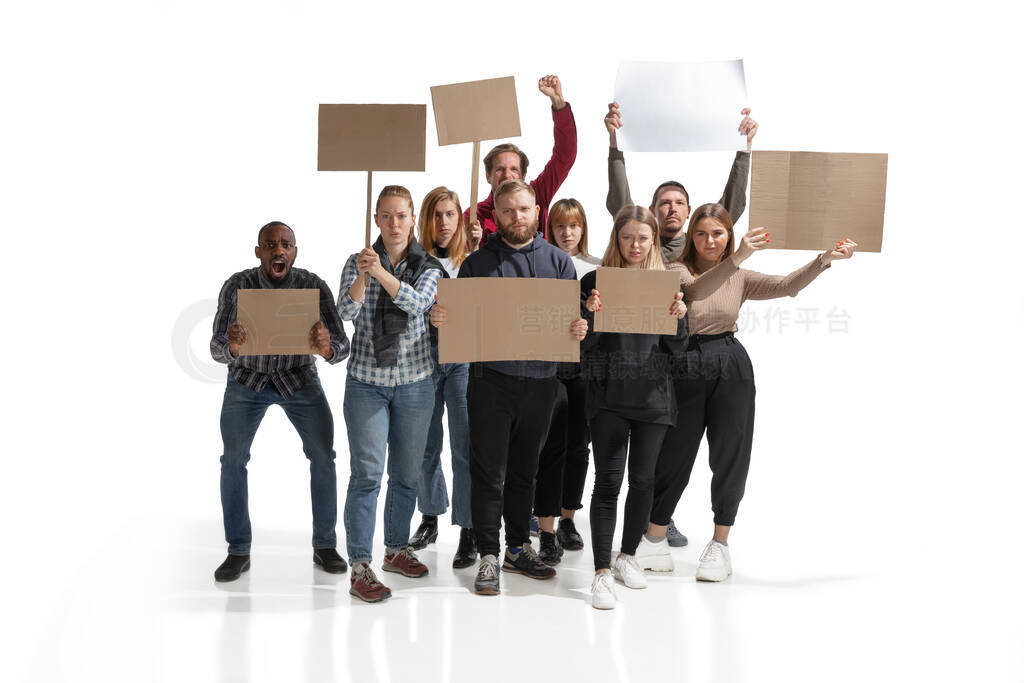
(550, 550)
(330, 560)
(465, 556)
(568, 537)
(425, 534)
(231, 568)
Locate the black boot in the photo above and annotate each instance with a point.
(550, 550)
(425, 534)
(231, 568)
(465, 556)
(330, 560)
(567, 534)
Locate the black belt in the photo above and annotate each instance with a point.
(697, 339)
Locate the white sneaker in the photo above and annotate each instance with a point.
(602, 591)
(715, 564)
(654, 556)
(628, 571)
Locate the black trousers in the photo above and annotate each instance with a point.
(508, 423)
(715, 395)
(612, 434)
(562, 470)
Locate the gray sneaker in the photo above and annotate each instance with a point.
(488, 581)
(675, 538)
(527, 563)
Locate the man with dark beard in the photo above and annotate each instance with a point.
(510, 402)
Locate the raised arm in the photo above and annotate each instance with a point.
(734, 197)
(758, 286)
(618, 184)
(697, 287)
(563, 154)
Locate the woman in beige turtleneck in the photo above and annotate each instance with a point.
(714, 380)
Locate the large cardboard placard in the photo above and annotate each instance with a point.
(636, 301)
(674, 107)
(277, 321)
(372, 137)
(508, 319)
(476, 110)
(811, 200)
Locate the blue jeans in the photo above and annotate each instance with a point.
(450, 380)
(384, 423)
(240, 417)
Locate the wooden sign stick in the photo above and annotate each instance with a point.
(369, 203)
(474, 182)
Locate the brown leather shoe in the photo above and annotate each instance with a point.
(365, 585)
(405, 563)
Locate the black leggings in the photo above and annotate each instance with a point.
(722, 402)
(611, 434)
(562, 471)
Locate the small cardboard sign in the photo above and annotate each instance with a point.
(811, 200)
(277, 321)
(636, 301)
(476, 110)
(490, 319)
(372, 137)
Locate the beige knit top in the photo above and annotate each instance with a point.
(714, 297)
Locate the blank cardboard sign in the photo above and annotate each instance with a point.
(476, 110)
(277, 321)
(636, 301)
(680, 107)
(508, 319)
(372, 137)
(811, 200)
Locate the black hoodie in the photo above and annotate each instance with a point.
(539, 258)
(630, 374)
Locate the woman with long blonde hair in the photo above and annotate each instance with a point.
(443, 234)
(630, 406)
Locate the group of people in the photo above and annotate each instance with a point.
(520, 432)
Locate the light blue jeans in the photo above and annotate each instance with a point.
(450, 380)
(385, 425)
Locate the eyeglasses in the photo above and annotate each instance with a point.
(271, 246)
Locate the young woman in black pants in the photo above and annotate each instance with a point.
(629, 404)
(715, 379)
(562, 469)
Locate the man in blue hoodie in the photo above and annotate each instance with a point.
(510, 402)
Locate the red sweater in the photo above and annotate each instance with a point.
(549, 180)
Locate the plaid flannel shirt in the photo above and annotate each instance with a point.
(288, 373)
(414, 358)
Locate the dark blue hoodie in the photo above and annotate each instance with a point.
(539, 258)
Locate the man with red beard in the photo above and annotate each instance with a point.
(510, 402)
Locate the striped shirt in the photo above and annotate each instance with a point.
(414, 359)
(288, 373)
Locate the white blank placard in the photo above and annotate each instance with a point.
(674, 107)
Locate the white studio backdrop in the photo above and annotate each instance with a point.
(143, 144)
